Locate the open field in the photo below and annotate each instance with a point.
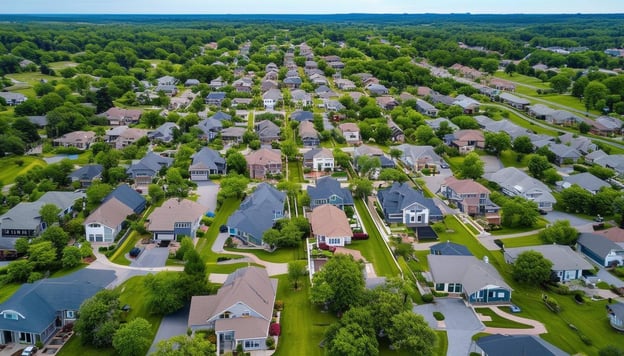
(9, 167)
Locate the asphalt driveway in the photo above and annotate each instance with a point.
(461, 323)
(172, 325)
(553, 216)
(207, 194)
(151, 256)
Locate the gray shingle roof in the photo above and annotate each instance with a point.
(401, 195)
(449, 249)
(208, 158)
(471, 272)
(562, 257)
(517, 345)
(87, 172)
(586, 181)
(328, 186)
(599, 244)
(256, 213)
(129, 197)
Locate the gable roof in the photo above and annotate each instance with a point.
(264, 156)
(471, 272)
(112, 213)
(272, 94)
(300, 115)
(151, 162)
(220, 115)
(233, 131)
(172, 211)
(207, 158)
(562, 257)
(449, 249)
(587, 181)
(307, 130)
(328, 186)
(412, 154)
(318, 153)
(87, 172)
(517, 345)
(266, 128)
(401, 195)
(598, 244)
(257, 212)
(127, 196)
(329, 221)
(514, 180)
(465, 186)
(349, 127)
(210, 124)
(164, 131)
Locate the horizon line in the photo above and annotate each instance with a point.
(311, 14)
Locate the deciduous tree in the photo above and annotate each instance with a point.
(410, 332)
(472, 167)
(532, 268)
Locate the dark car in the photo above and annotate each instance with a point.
(598, 218)
(135, 252)
(542, 212)
(223, 228)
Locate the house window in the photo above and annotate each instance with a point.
(246, 313)
(439, 287)
(10, 316)
(70, 314)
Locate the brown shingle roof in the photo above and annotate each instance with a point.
(328, 220)
(173, 210)
(464, 186)
(111, 213)
(264, 156)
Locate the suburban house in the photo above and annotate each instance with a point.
(471, 198)
(24, 220)
(263, 162)
(370, 151)
(330, 226)
(514, 182)
(600, 249)
(167, 80)
(164, 132)
(615, 312)
(129, 136)
(37, 311)
(437, 122)
(426, 108)
(502, 84)
(192, 82)
(206, 162)
(301, 98)
(567, 264)
(514, 101)
(404, 205)
(468, 104)
(585, 180)
(7, 249)
(174, 219)
(397, 134)
(271, 97)
(516, 345)
(210, 128)
(240, 312)
(344, 84)
(377, 89)
(118, 116)
(386, 102)
(13, 99)
(78, 139)
(328, 191)
(308, 134)
(580, 143)
(215, 98)
(418, 157)
(217, 83)
(351, 132)
(169, 90)
(564, 154)
(606, 126)
(85, 175)
(147, 168)
(257, 213)
(233, 134)
(267, 131)
(129, 197)
(319, 160)
(466, 141)
(449, 249)
(301, 116)
(292, 82)
(105, 222)
(478, 282)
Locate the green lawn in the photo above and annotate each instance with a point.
(458, 234)
(8, 290)
(56, 66)
(442, 346)
(9, 167)
(500, 322)
(531, 240)
(541, 223)
(374, 249)
(509, 158)
(522, 79)
(119, 257)
(65, 272)
(204, 246)
(31, 78)
(295, 172)
(281, 255)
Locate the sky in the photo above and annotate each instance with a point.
(307, 6)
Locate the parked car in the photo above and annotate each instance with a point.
(30, 350)
(135, 252)
(326, 247)
(542, 212)
(223, 228)
(514, 308)
(360, 236)
(598, 218)
(444, 165)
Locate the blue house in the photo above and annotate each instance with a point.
(86, 174)
(476, 281)
(206, 162)
(148, 168)
(449, 249)
(257, 214)
(516, 345)
(600, 249)
(404, 205)
(328, 191)
(129, 197)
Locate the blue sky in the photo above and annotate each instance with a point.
(308, 7)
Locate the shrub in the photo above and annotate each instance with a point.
(579, 168)
(586, 340)
(275, 330)
(279, 305)
(102, 249)
(427, 298)
(425, 171)
(552, 304)
(270, 343)
(35, 276)
(579, 298)
(221, 259)
(438, 316)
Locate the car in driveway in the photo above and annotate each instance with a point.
(223, 228)
(135, 252)
(29, 351)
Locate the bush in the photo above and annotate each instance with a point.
(221, 259)
(427, 298)
(270, 343)
(275, 330)
(438, 316)
(102, 249)
(579, 168)
(586, 340)
(35, 276)
(279, 305)
(579, 298)
(552, 304)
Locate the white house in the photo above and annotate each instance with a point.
(330, 226)
(105, 222)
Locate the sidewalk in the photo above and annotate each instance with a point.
(538, 328)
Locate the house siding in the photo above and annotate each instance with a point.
(490, 295)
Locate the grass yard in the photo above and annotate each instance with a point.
(531, 240)
(31, 78)
(374, 249)
(303, 323)
(509, 158)
(8, 290)
(295, 172)
(65, 272)
(541, 223)
(500, 322)
(442, 345)
(522, 79)
(56, 66)
(9, 167)
(119, 257)
(204, 245)
(458, 234)
(281, 255)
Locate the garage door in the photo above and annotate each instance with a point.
(165, 237)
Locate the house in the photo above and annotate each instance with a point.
(386, 102)
(243, 85)
(292, 82)
(466, 141)
(514, 182)
(105, 222)
(301, 116)
(351, 132)
(501, 84)
(600, 249)
(206, 162)
(193, 82)
(615, 162)
(567, 264)
(606, 126)
(129, 136)
(595, 155)
(615, 312)
(24, 220)
(240, 313)
(471, 198)
(583, 144)
(147, 168)
(233, 134)
(217, 83)
(585, 180)
(257, 213)
(167, 80)
(85, 175)
(8, 251)
(436, 123)
(271, 98)
(540, 111)
(317, 78)
(38, 120)
(37, 311)
(164, 133)
(564, 154)
(118, 116)
(333, 105)
(169, 90)
(13, 99)
(344, 84)
(308, 134)
(174, 219)
(264, 162)
(516, 345)
(267, 131)
(112, 135)
(215, 98)
(425, 108)
(370, 151)
(449, 249)
(564, 118)
(418, 157)
(514, 101)
(301, 98)
(330, 226)
(129, 197)
(377, 89)
(237, 102)
(397, 134)
(328, 191)
(179, 102)
(319, 160)
(475, 280)
(78, 139)
(437, 98)
(210, 128)
(469, 105)
(403, 204)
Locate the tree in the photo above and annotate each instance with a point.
(21, 245)
(424, 133)
(18, 271)
(410, 332)
(96, 193)
(497, 142)
(560, 83)
(392, 174)
(575, 199)
(611, 350)
(98, 319)
(183, 345)
(341, 158)
(42, 255)
(58, 237)
(531, 267)
(236, 162)
(472, 166)
(519, 211)
(71, 257)
(362, 187)
(594, 93)
(296, 270)
(560, 232)
(49, 214)
(584, 127)
(384, 304)
(133, 338)
(366, 164)
(166, 292)
(601, 172)
(395, 153)
(156, 193)
(343, 276)
(537, 164)
(352, 340)
(522, 144)
(289, 149)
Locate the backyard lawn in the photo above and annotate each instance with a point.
(374, 249)
(541, 223)
(522, 79)
(281, 255)
(531, 240)
(295, 172)
(8, 290)
(9, 167)
(500, 322)
(204, 245)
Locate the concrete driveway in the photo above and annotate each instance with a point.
(172, 325)
(207, 194)
(553, 216)
(492, 164)
(461, 323)
(151, 256)
(434, 182)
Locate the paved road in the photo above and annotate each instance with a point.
(171, 325)
(604, 275)
(461, 323)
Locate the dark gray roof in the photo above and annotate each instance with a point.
(256, 213)
(210, 124)
(38, 120)
(599, 244)
(127, 196)
(151, 162)
(220, 115)
(401, 195)
(163, 132)
(302, 116)
(587, 181)
(216, 95)
(450, 249)
(208, 158)
(87, 172)
(328, 186)
(267, 128)
(517, 345)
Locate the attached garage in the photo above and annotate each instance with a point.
(164, 236)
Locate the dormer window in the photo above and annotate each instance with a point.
(10, 316)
